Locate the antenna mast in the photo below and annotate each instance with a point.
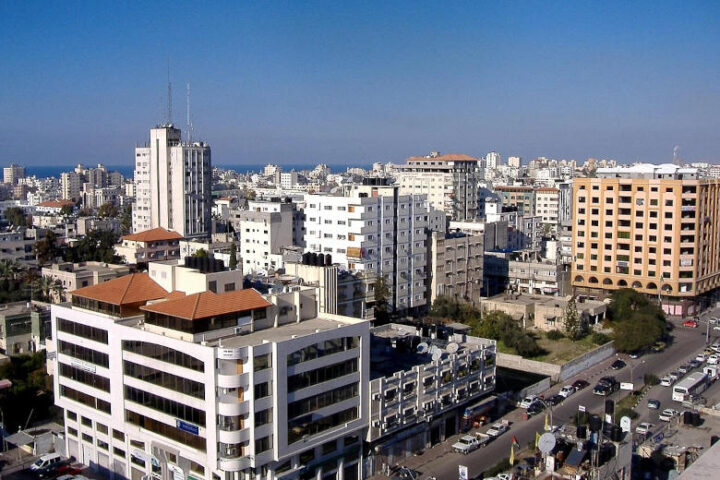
(169, 96)
(189, 123)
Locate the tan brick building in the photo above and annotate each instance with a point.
(654, 228)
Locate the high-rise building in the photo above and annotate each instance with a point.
(457, 266)
(450, 181)
(155, 383)
(519, 196)
(547, 205)
(13, 173)
(514, 162)
(492, 160)
(376, 231)
(265, 227)
(71, 185)
(654, 228)
(173, 184)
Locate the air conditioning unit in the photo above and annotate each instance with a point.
(376, 423)
(377, 396)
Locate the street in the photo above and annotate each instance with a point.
(687, 342)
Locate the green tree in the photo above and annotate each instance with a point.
(574, 328)
(382, 295)
(108, 210)
(233, 256)
(97, 245)
(126, 219)
(46, 249)
(637, 322)
(66, 210)
(16, 217)
(201, 253)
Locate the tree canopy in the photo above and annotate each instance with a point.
(108, 210)
(382, 295)
(637, 322)
(97, 245)
(233, 256)
(47, 249)
(16, 217)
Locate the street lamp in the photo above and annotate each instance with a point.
(549, 407)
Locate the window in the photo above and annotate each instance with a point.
(118, 435)
(263, 444)
(262, 390)
(263, 417)
(262, 362)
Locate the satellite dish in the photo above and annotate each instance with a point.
(423, 348)
(452, 347)
(546, 443)
(625, 424)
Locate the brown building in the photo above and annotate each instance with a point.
(149, 246)
(654, 228)
(457, 266)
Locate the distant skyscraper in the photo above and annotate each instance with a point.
(492, 160)
(514, 162)
(13, 173)
(173, 184)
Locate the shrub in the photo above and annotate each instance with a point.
(554, 335)
(626, 412)
(600, 338)
(651, 379)
(499, 467)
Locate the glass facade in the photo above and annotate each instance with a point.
(321, 349)
(84, 354)
(165, 405)
(85, 399)
(322, 400)
(84, 331)
(164, 354)
(84, 376)
(323, 374)
(305, 426)
(164, 379)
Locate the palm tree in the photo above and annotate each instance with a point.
(44, 286)
(9, 268)
(58, 291)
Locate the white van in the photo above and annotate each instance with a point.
(45, 461)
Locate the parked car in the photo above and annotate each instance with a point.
(713, 359)
(497, 429)
(555, 400)
(566, 391)
(694, 363)
(674, 375)
(580, 384)
(602, 389)
(666, 381)
(700, 358)
(684, 369)
(654, 404)
(618, 364)
(535, 408)
(690, 324)
(644, 428)
(668, 414)
(635, 354)
(466, 444)
(659, 346)
(68, 470)
(527, 401)
(46, 461)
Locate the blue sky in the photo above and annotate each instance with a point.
(357, 82)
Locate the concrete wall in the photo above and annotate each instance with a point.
(585, 361)
(558, 373)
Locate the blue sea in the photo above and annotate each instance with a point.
(42, 171)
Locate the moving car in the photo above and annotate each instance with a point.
(618, 364)
(690, 324)
(566, 391)
(684, 369)
(45, 462)
(580, 384)
(668, 414)
(555, 400)
(713, 359)
(527, 401)
(635, 354)
(654, 404)
(644, 428)
(535, 408)
(700, 358)
(602, 389)
(674, 375)
(694, 363)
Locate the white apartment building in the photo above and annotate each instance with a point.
(173, 184)
(450, 181)
(289, 179)
(377, 232)
(514, 162)
(159, 384)
(71, 185)
(264, 229)
(270, 169)
(547, 205)
(13, 173)
(422, 381)
(492, 160)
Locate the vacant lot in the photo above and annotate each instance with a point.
(563, 350)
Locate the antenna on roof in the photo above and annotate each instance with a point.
(169, 96)
(189, 123)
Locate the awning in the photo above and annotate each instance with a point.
(20, 438)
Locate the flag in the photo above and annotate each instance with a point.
(512, 454)
(537, 439)
(515, 443)
(547, 427)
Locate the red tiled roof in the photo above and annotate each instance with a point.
(56, 203)
(513, 188)
(448, 157)
(128, 289)
(209, 304)
(548, 189)
(155, 235)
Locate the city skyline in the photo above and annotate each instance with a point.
(293, 84)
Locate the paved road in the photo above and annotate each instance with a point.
(442, 463)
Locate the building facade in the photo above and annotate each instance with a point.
(654, 228)
(449, 181)
(264, 228)
(149, 246)
(457, 266)
(377, 232)
(158, 384)
(173, 184)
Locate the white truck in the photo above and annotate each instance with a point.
(466, 444)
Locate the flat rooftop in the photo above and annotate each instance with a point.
(545, 300)
(284, 332)
(18, 308)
